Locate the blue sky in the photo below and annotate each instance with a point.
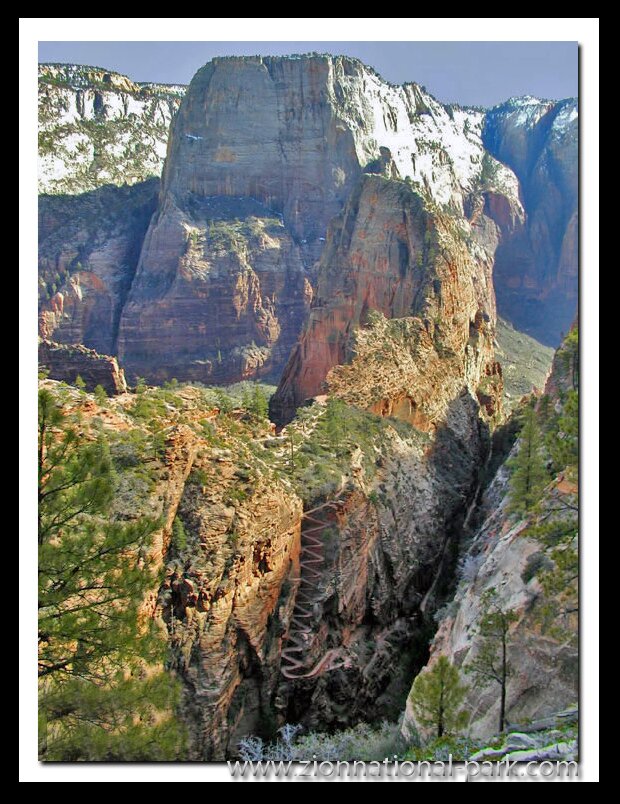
(482, 73)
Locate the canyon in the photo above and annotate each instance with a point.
(512, 555)
(352, 242)
(216, 288)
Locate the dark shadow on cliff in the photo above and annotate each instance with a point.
(74, 232)
(400, 628)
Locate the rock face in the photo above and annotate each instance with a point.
(306, 194)
(215, 298)
(297, 131)
(536, 270)
(88, 250)
(533, 575)
(374, 558)
(68, 362)
(225, 560)
(545, 669)
(402, 326)
(97, 127)
(263, 154)
(227, 598)
(404, 314)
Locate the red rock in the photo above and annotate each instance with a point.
(64, 362)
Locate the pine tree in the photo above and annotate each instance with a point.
(557, 527)
(334, 422)
(436, 697)
(254, 400)
(529, 474)
(260, 402)
(223, 401)
(101, 396)
(563, 438)
(568, 356)
(140, 385)
(492, 663)
(79, 383)
(100, 696)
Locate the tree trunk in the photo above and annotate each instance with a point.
(502, 705)
(440, 725)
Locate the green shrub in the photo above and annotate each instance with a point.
(179, 535)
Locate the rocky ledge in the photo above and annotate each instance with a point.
(66, 363)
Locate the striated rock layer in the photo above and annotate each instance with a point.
(404, 314)
(88, 250)
(215, 298)
(66, 363)
(536, 270)
(263, 153)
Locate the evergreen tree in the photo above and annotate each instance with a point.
(491, 663)
(529, 474)
(101, 396)
(140, 385)
(557, 526)
(436, 697)
(334, 422)
(79, 383)
(304, 417)
(254, 400)
(100, 696)
(260, 402)
(569, 357)
(223, 401)
(563, 436)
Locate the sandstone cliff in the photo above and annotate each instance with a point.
(88, 250)
(383, 505)
(228, 595)
(97, 127)
(536, 271)
(402, 326)
(530, 562)
(302, 569)
(66, 363)
(225, 559)
(404, 314)
(216, 298)
(275, 146)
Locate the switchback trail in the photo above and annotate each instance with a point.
(300, 635)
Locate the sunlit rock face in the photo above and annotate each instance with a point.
(404, 314)
(263, 153)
